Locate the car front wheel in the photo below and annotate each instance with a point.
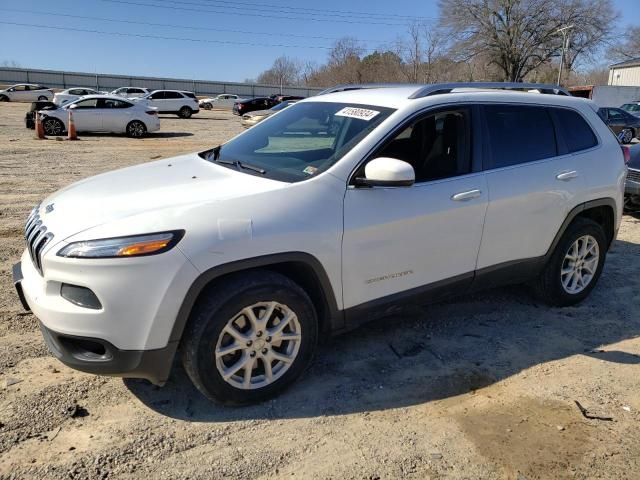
(4, 98)
(575, 265)
(136, 129)
(52, 127)
(250, 338)
(185, 112)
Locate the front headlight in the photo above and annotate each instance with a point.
(133, 246)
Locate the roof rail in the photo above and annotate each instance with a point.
(440, 88)
(362, 86)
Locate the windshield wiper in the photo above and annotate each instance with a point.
(239, 164)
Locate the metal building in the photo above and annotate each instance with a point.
(625, 73)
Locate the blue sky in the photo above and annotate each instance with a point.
(219, 50)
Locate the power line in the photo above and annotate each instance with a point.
(161, 37)
(305, 10)
(248, 14)
(187, 27)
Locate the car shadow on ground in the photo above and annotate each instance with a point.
(217, 119)
(436, 352)
(168, 134)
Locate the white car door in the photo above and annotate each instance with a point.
(173, 101)
(116, 114)
(532, 178)
(157, 99)
(19, 93)
(415, 238)
(86, 115)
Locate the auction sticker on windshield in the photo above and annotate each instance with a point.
(360, 113)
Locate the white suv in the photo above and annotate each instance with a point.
(184, 104)
(319, 218)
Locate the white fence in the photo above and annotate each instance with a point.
(102, 81)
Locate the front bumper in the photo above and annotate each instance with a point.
(631, 188)
(99, 356)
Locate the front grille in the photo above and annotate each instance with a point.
(36, 236)
(633, 175)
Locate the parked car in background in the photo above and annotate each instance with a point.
(632, 108)
(332, 213)
(252, 104)
(71, 94)
(251, 118)
(102, 113)
(632, 185)
(29, 118)
(222, 100)
(182, 103)
(131, 92)
(623, 124)
(284, 98)
(26, 92)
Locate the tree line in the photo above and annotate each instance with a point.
(480, 40)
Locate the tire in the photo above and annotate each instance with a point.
(185, 112)
(4, 98)
(207, 106)
(221, 309)
(554, 287)
(42, 98)
(627, 135)
(136, 129)
(53, 127)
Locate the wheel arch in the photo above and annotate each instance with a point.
(602, 211)
(302, 268)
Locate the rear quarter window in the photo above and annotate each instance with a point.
(519, 134)
(574, 129)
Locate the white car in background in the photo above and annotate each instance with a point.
(25, 92)
(182, 103)
(221, 101)
(102, 113)
(71, 94)
(131, 92)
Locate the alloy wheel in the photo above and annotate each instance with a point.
(258, 345)
(580, 264)
(52, 127)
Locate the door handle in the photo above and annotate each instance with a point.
(465, 196)
(566, 176)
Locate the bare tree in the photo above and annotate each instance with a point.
(284, 71)
(629, 47)
(518, 36)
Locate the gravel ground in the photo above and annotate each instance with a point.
(483, 387)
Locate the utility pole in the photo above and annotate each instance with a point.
(565, 45)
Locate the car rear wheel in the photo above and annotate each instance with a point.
(575, 265)
(136, 129)
(627, 135)
(185, 112)
(42, 98)
(250, 338)
(4, 98)
(52, 127)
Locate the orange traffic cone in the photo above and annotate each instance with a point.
(39, 127)
(71, 128)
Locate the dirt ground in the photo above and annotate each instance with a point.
(483, 387)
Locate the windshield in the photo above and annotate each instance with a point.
(303, 140)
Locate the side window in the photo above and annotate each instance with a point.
(111, 103)
(615, 115)
(602, 113)
(575, 131)
(172, 95)
(158, 96)
(519, 134)
(90, 103)
(27, 88)
(189, 94)
(437, 146)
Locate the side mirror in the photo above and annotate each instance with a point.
(73, 106)
(387, 172)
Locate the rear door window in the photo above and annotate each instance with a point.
(574, 129)
(519, 134)
(172, 95)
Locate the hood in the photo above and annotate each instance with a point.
(169, 183)
(260, 113)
